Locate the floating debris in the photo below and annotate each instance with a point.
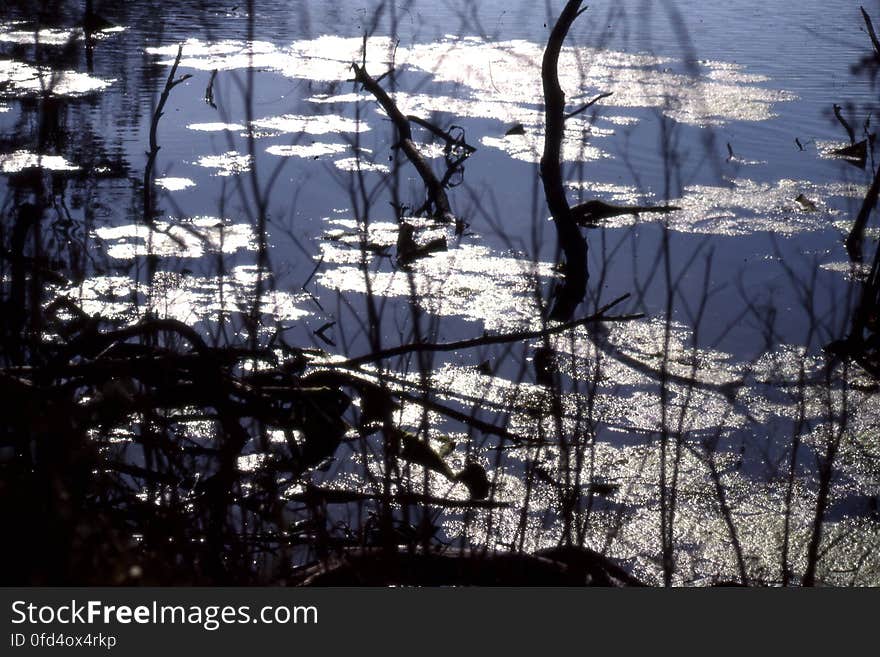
(806, 204)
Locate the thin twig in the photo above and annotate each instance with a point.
(451, 141)
(588, 105)
(518, 336)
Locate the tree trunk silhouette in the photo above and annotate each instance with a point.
(572, 290)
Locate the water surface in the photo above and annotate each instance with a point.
(279, 194)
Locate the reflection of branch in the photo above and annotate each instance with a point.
(519, 336)
(845, 124)
(729, 390)
(436, 193)
(451, 142)
(857, 234)
(574, 287)
(710, 447)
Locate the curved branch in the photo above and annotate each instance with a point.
(571, 241)
(451, 142)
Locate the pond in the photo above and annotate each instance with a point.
(218, 168)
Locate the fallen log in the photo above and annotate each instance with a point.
(591, 212)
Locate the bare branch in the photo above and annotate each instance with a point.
(436, 193)
(518, 336)
(588, 105)
(871, 32)
(170, 83)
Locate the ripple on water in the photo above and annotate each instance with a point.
(215, 127)
(316, 124)
(24, 79)
(14, 33)
(745, 207)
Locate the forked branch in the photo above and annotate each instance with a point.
(436, 193)
(170, 83)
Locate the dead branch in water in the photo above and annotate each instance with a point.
(209, 90)
(871, 32)
(170, 83)
(436, 192)
(587, 106)
(565, 566)
(574, 286)
(591, 212)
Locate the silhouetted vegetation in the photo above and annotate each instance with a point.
(246, 447)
